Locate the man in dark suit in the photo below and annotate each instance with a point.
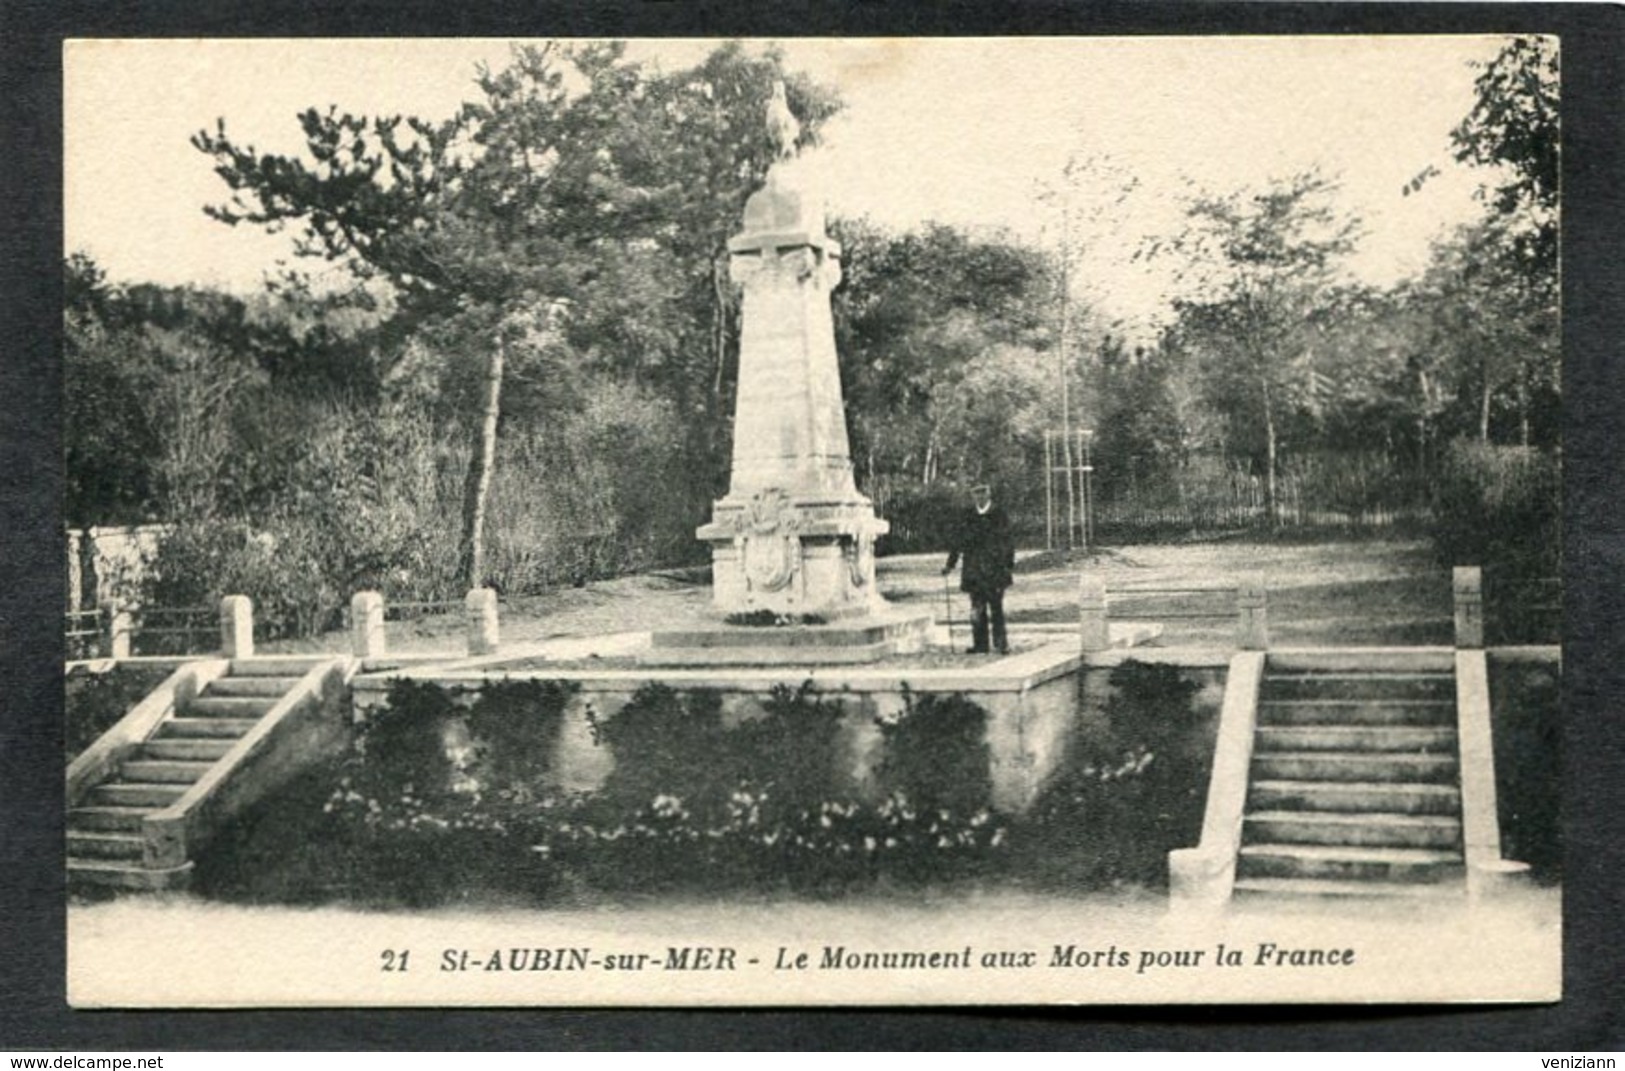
(983, 539)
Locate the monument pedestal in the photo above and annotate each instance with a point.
(791, 558)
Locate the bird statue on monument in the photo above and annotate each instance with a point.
(782, 128)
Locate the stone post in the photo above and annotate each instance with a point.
(1094, 628)
(116, 628)
(1467, 589)
(1252, 618)
(481, 604)
(367, 638)
(76, 570)
(237, 626)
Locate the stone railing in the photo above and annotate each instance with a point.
(1206, 874)
(1245, 601)
(116, 629)
(369, 637)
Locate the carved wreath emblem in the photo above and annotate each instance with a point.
(769, 547)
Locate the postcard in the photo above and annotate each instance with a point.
(816, 522)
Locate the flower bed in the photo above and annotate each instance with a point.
(442, 800)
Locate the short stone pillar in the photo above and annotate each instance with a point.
(76, 570)
(1467, 592)
(237, 626)
(116, 628)
(481, 604)
(367, 638)
(1094, 626)
(1252, 616)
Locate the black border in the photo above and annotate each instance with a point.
(32, 1009)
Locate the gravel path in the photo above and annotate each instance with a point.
(1344, 592)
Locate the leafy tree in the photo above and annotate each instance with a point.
(1496, 326)
(1490, 293)
(992, 420)
(156, 380)
(930, 326)
(1142, 432)
(1506, 267)
(1259, 267)
(109, 435)
(1382, 384)
(1514, 126)
(573, 218)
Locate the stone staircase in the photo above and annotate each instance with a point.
(108, 829)
(1354, 782)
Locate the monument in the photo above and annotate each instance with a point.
(792, 541)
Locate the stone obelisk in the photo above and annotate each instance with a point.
(792, 536)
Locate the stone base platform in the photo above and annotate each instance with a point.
(845, 641)
(1032, 699)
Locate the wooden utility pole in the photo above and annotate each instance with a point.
(1063, 345)
(477, 490)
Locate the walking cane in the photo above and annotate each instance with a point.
(948, 605)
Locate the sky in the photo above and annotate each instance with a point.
(966, 131)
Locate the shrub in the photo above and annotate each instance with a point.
(800, 726)
(693, 802)
(516, 726)
(462, 792)
(200, 562)
(603, 488)
(1526, 701)
(1127, 799)
(936, 754)
(403, 746)
(449, 798)
(1499, 507)
(94, 702)
(438, 798)
(292, 848)
(355, 500)
(667, 742)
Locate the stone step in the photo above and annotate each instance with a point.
(1369, 829)
(1361, 660)
(250, 686)
(121, 819)
(856, 631)
(194, 728)
(1419, 712)
(766, 657)
(104, 845)
(137, 794)
(1353, 766)
(186, 750)
(205, 706)
(1375, 738)
(168, 771)
(1348, 863)
(265, 666)
(1356, 685)
(1354, 796)
(1260, 888)
(126, 875)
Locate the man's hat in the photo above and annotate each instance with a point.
(981, 489)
